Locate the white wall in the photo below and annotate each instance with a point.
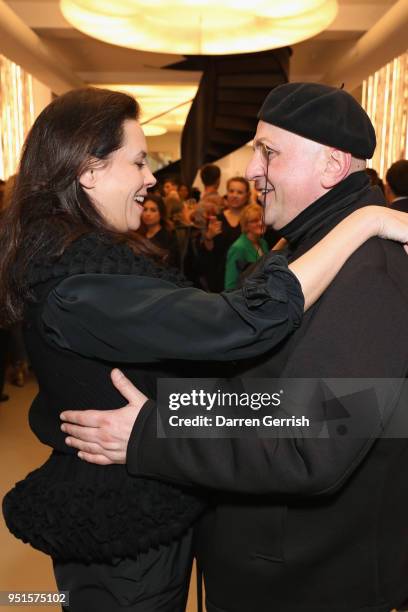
(231, 165)
(167, 144)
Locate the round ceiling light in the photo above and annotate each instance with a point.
(150, 129)
(195, 27)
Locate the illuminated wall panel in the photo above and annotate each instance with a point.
(16, 114)
(385, 98)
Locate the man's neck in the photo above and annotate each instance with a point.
(321, 216)
(210, 189)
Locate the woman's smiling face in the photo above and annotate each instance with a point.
(118, 185)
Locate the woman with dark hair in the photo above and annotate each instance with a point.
(185, 192)
(156, 227)
(119, 542)
(374, 178)
(116, 542)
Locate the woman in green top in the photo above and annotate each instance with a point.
(249, 247)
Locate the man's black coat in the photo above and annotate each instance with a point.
(401, 205)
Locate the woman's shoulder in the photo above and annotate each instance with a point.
(241, 242)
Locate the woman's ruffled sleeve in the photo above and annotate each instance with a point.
(130, 318)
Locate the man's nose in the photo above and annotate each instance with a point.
(255, 167)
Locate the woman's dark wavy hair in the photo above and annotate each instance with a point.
(49, 208)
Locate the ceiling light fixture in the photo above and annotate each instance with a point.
(153, 130)
(195, 27)
(168, 105)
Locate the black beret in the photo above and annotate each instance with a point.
(321, 113)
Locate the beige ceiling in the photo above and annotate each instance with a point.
(100, 63)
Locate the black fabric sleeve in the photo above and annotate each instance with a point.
(127, 318)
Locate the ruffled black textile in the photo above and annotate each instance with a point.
(76, 511)
(265, 283)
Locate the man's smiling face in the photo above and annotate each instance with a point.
(288, 169)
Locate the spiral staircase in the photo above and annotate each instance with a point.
(223, 115)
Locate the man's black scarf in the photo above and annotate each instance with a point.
(326, 212)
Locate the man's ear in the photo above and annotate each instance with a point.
(336, 168)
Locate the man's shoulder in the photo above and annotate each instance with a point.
(400, 204)
(379, 267)
(380, 253)
(376, 253)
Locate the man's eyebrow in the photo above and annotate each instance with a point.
(142, 154)
(263, 140)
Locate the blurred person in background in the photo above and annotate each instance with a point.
(171, 197)
(156, 227)
(195, 193)
(396, 186)
(17, 354)
(222, 231)
(185, 192)
(248, 248)
(210, 176)
(170, 185)
(375, 180)
(14, 341)
(187, 234)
